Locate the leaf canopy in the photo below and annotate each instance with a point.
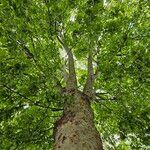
(31, 59)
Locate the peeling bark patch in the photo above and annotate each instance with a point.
(72, 140)
(65, 118)
(63, 139)
(74, 135)
(69, 117)
(76, 122)
(59, 136)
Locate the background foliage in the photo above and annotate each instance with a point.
(117, 32)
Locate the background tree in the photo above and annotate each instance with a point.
(36, 38)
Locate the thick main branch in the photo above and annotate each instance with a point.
(88, 88)
(72, 81)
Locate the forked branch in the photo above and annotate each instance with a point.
(72, 81)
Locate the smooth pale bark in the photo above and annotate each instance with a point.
(72, 80)
(88, 88)
(75, 130)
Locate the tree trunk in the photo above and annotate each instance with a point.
(75, 130)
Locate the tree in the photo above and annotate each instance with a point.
(72, 71)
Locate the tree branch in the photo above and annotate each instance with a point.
(31, 101)
(72, 81)
(88, 88)
(65, 74)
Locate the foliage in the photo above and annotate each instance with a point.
(30, 59)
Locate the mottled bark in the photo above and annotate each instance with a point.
(75, 130)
